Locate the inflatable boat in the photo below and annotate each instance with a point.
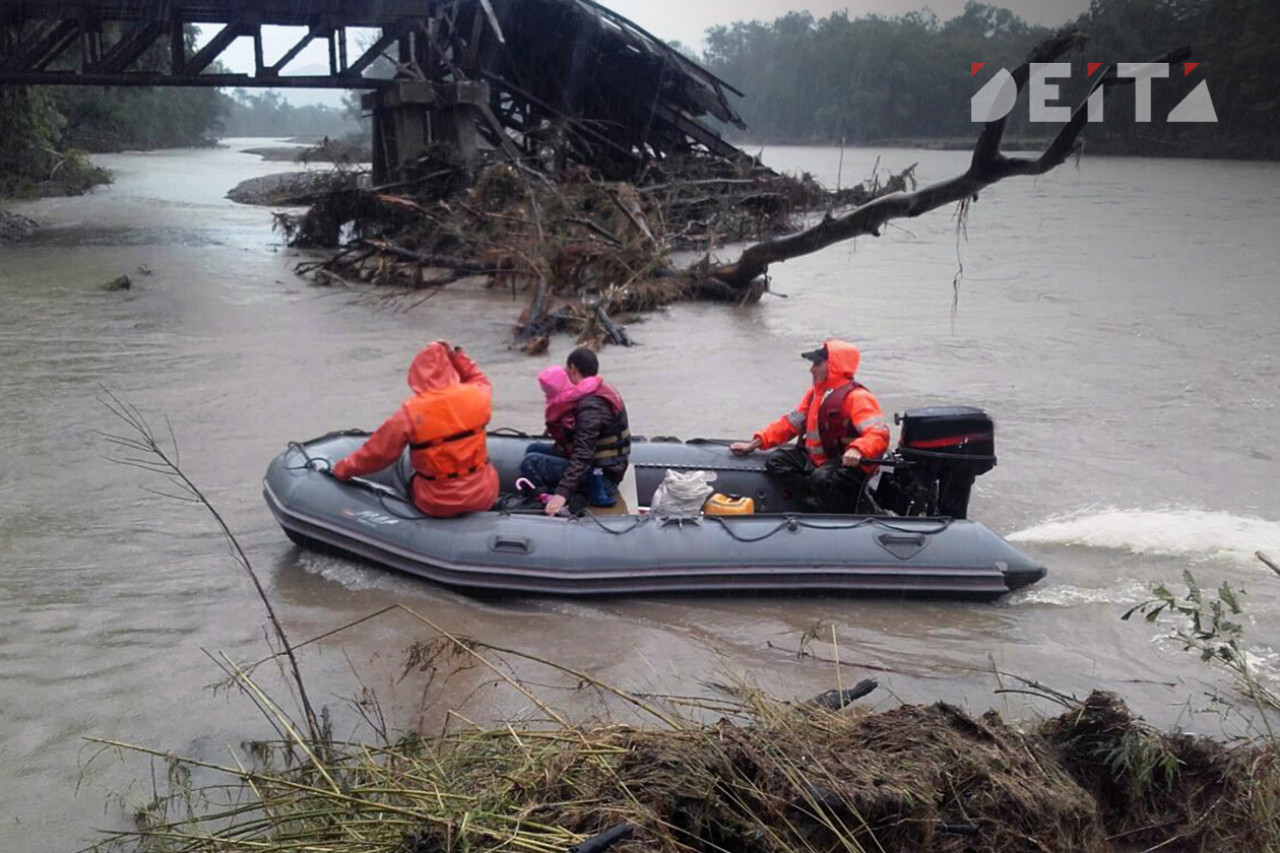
(916, 542)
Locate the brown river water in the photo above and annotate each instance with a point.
(1117, 319)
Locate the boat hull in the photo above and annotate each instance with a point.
(530, 553)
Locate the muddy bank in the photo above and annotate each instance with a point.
(351, 149)
(14, 226)
(765, 777)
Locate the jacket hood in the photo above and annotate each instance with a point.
(842, 360)
(554, 380)
(432, 369)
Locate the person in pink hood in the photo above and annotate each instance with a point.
(443, 425)
(587, 420)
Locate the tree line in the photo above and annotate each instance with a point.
(907, 78)
(48, 130)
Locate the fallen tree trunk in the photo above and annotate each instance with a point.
(988, 166)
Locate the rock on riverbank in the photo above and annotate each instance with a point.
(14, 226)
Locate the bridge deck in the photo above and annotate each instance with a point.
(347, 13)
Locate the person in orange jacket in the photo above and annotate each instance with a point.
(841, 425)
(443, 425)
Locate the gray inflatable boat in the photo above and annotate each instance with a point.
(906, 548)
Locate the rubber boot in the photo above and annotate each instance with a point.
(599, 491)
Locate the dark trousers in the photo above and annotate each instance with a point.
(830, 488)
(546, 468)
(543, 465)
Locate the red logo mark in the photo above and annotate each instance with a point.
(975, 67)
(1188, 67)
(1093, 66)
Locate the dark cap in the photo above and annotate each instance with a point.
(819, 354)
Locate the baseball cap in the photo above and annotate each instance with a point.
(819, 354)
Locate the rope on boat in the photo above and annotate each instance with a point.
(791, 522)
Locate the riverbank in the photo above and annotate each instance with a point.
(286, 189)
(749, 774)
(355, 148)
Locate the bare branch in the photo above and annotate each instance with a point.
(163, 463)
(987, 167)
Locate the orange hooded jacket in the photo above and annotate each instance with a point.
(861, 409)
(443, 424)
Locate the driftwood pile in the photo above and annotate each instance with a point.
(587, 245)
(587, 251)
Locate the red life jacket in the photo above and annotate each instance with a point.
(834, 429)
(448, 437)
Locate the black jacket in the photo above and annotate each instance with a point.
(594, 420)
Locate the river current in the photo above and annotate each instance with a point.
(1117, 318)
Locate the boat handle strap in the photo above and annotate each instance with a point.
(511, 544)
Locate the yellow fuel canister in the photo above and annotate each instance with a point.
(720, 504)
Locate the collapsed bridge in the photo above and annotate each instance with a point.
(519, 76)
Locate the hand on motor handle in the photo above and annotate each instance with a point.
(851, 458)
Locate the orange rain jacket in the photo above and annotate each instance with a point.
(443, 425)
(860, 409)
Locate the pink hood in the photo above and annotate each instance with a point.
(562, 395)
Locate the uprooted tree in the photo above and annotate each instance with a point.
(587, 250)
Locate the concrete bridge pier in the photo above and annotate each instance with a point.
(411, 116)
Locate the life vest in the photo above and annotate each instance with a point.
(835, 430)
(613, 443)
(448, 438)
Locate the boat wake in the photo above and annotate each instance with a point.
(1126, 594)
(1163, 532)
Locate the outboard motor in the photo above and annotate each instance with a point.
(941, 450)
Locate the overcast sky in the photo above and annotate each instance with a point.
(670, 20)
(687, 20)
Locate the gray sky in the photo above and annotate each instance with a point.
(671, 20)
(687, 20)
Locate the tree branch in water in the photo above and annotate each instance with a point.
(987, 167)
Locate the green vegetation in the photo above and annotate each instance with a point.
(874, 79)
(1209, 626)
(48, 130)
(33, 160)
(267, 113)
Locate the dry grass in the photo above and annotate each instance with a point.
(752, 775)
